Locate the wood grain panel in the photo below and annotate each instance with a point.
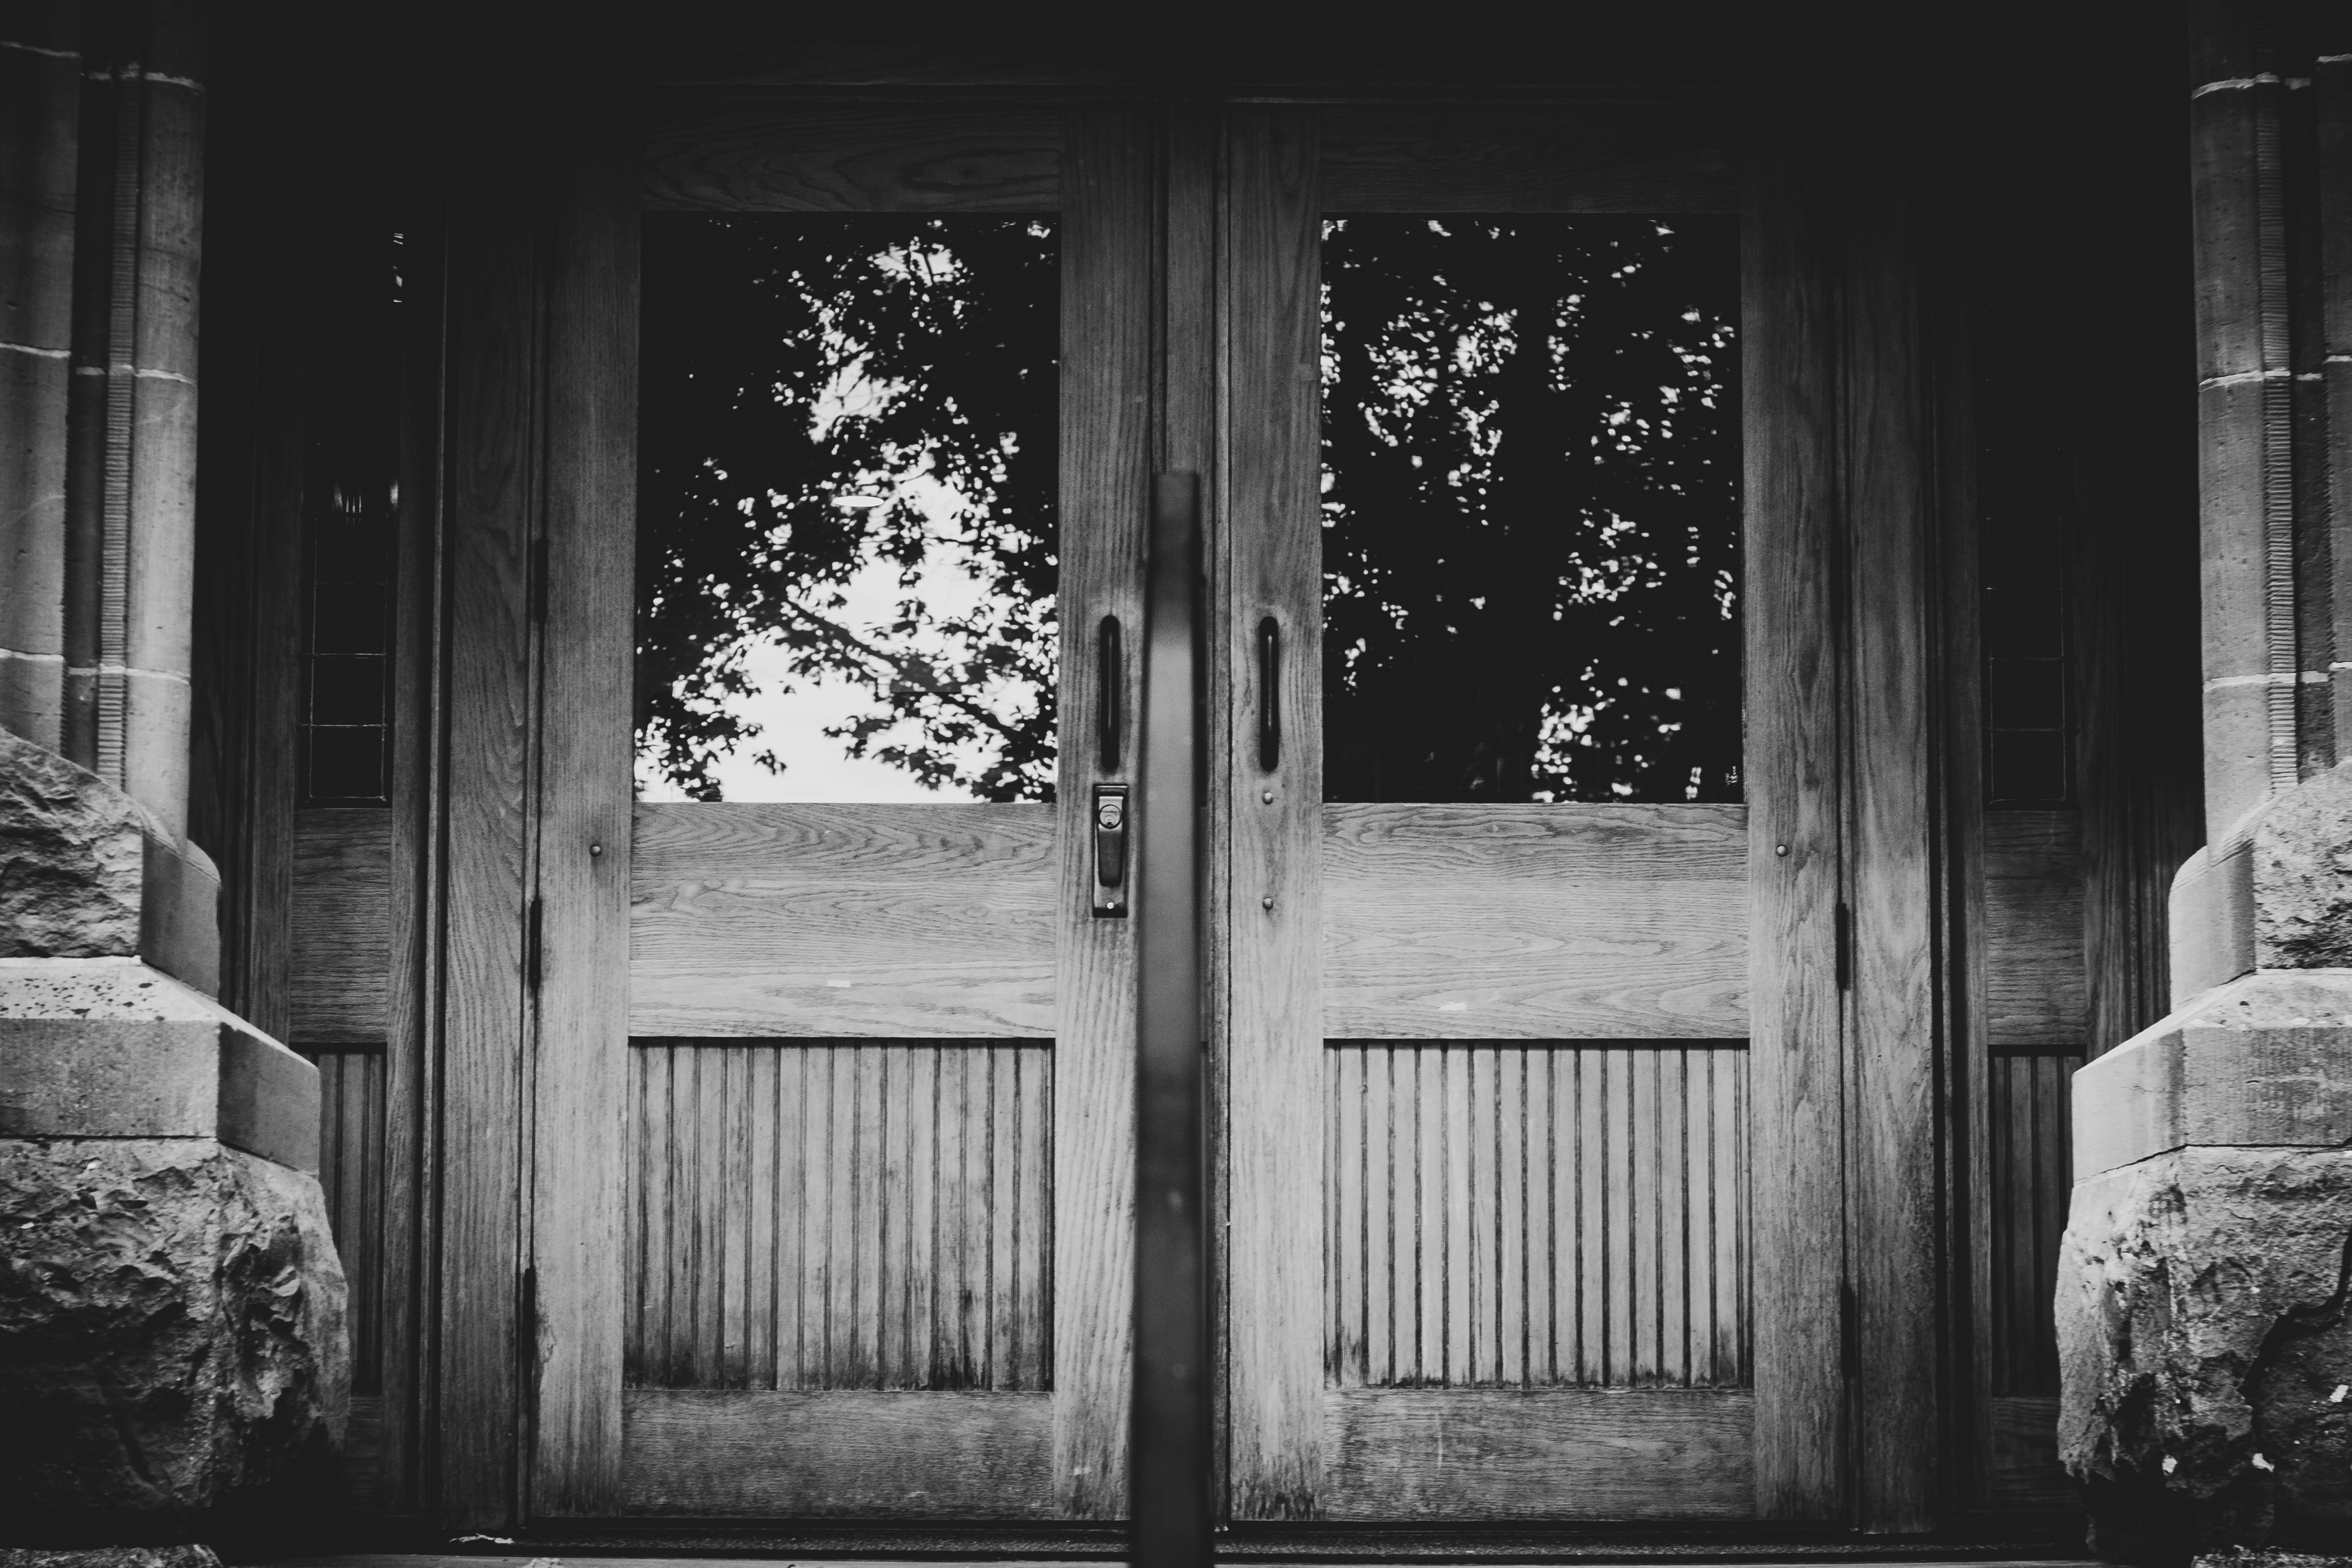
(823, 921)
(2022, 1469)
(342, 925)
(841, 1215)
(1896, 1140)
(2031, 1161)
(1507, 1217)
(580, 1071)
(853, 157)
(1273, 919)
(2036, 992)
(494, 426)
(833, 1454)
(1534, 922)
(1493, 1455)
(1107, 232)
(1796, 1029)
(351, 1177)
(1386, 159)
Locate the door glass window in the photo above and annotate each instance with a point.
(845, 557)
(1531, 509)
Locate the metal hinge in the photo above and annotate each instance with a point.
(531, 945)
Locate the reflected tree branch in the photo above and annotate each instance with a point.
(912, 671)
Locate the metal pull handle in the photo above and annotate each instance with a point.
(1113, 685)
(1269, 695)
(1110, 851)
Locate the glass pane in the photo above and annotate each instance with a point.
(1531, 509)
(350, 522)
(845, 537)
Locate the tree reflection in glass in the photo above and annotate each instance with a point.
(848, 466)
(1531, 509)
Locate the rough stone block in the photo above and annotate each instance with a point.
(2206, 1353)
(71, 858)
(174, 1314)
(2265, 1061)
(86, 871)
(111, 1048)
(2303, 876)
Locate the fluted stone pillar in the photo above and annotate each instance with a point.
(2204, 1334)
(173, 1354)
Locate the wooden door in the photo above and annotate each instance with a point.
(833, 1131)
(1533, 1106)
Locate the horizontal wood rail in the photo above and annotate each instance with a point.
(1539, 1454)
(737, 1453)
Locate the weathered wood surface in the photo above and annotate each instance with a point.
(351, 1179)
(2021, 1470)
(1381, 158)
(412, 1002)
(1894, 1136)
(2035, 989)
(1797, 1069)
(919, 921)
(2032, 1178)
(1495, 1454)
(491, 474)
(853, 157)
(1106, 230)
(807, 1216)
(1534, 922)
(1191, 437)
(1273, 917)
(580, 1074)
(1515, 1217)
(732, 1455)
(340, 926)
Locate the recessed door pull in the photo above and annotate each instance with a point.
(1110, 851)
(1269, 695)
(1113, 685)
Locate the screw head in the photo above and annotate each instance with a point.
(1266, 796)
(1779, 848)
(1266, 903)
(595, 849)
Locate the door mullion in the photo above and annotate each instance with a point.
(1271, 343)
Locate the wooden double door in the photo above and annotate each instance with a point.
(1529, 1101)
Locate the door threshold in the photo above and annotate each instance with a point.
(2054, 1543)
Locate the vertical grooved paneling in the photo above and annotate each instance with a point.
(858, 1215)
(1511, 1216)
(351, 1176)
(2031, 1175)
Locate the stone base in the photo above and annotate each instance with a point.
(2204, 1340)
(173, 1349)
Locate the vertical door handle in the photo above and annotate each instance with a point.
(1269, 695)
(1112, 685)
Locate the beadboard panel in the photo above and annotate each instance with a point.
(1514, 1217)
(842, 1215)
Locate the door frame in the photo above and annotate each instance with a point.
(1850, 271)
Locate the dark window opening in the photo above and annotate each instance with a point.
(350, 528)
(1532, 509)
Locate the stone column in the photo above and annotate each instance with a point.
(40, 107)
(172, 1356)
(2204, 1335)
